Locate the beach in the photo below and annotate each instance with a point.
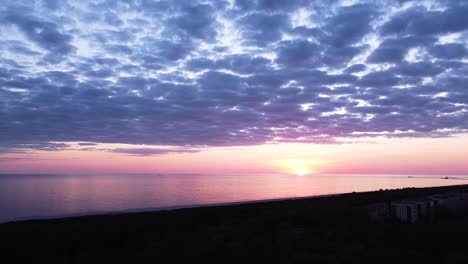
(329, 229)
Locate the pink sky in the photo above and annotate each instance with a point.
(369, 156)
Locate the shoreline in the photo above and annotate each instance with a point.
(325, 229)
(165, 208)
(210, 205)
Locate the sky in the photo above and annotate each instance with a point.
(239, 86)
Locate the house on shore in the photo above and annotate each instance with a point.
(412, 211)
(418, 210)
(451, 202)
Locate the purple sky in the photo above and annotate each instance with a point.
(197, 74)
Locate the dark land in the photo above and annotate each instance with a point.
(332, 229)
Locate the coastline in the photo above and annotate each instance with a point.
(211, 205)
(93, 202)
(325, 229)
(165, 208)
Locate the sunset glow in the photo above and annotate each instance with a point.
(219, 87)
(397, 155)
(300, 171)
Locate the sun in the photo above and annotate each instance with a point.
(300, 171)
(299, 167)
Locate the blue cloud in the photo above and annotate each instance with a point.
(191, 74)
(43, 33)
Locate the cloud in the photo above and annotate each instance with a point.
(296, 53)
(269, 5)
(15, 147)
(419, 21)
(87, 144)
(394, 50)
(150, 151)
(44, 33)
(199, 74)
(356, 68)
(449, 51)
(263, 29)
(349, 25)
(418, 69)
(193, 21)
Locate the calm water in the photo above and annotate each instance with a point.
(43, 196)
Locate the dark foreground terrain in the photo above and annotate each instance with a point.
(314, 230)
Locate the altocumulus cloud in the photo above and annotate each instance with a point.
(223, 73)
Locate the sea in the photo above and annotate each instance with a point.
(40, 196)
